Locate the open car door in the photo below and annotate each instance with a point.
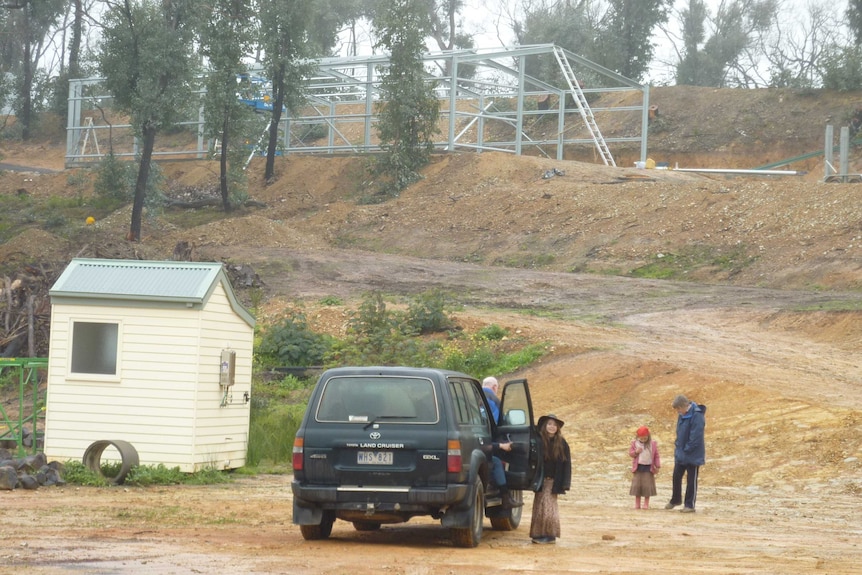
(516, 425)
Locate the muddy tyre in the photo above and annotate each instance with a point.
(320, 531)
(472, 535)
(509, 520)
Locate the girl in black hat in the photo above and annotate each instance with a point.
(556, 479)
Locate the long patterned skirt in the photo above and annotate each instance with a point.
(546, 513)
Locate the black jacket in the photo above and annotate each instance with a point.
(563, 475)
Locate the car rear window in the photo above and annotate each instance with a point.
(378, 399)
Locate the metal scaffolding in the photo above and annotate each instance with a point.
(25, 373)
(539, 100)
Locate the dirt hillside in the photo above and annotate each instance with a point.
(760, 321)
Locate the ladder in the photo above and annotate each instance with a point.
(584, 107)
(256, 147)
(89, 128)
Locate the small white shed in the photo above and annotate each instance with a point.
(156, 354)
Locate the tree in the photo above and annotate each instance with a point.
(799, 52)
(725, 58)
(624, 39)
(854, 19)
(287, 53)
(225, 38)
(410, 110)
(691, 67)
(27, 26)
(147, 59)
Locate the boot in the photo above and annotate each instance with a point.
(508, 501)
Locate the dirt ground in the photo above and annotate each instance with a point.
(766, 333)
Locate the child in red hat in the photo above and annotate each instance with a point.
(645, 464)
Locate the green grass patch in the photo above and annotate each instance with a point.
(191, 218)
(680, 266)
(76, 473)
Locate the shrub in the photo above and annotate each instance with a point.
(290, 342)
(115, 179)
(491, 332)
(427, 313)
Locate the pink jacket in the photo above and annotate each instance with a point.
(656, 459)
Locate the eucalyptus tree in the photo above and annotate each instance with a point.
(854, 19)
(624, 38)
(288, 54)
(148, 62)
(724, 58)
(26, 24)
(570, 25)
(226, 38)
(409, 111)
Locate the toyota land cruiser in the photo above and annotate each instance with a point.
(384, 444)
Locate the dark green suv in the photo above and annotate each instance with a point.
(384, 444)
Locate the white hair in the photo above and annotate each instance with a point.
(490, 382)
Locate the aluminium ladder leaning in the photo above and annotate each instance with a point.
(584, 107)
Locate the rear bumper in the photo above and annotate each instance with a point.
(373, 501)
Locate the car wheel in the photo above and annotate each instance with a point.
(472, 535)
(366, 525)
(320, 531)
(511, 518)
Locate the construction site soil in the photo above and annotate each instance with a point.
(761, 322)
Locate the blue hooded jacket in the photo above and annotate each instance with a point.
(689, 448)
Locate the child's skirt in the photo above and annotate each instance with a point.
(643, 483)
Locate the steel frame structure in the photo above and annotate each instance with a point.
(483, 93)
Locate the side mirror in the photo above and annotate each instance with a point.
(516, 417)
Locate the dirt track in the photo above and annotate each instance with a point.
(778, 495)
(779, 371)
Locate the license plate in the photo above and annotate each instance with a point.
(374, 457)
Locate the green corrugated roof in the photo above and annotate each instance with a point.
(189, 283)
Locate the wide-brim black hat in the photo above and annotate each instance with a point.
(544, 418)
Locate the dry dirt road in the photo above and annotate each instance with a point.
(780, 492)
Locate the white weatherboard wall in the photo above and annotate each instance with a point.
(165, 397)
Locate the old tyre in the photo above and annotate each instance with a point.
(320, 531)
(509, 520)
(472, 535)
(128, 455)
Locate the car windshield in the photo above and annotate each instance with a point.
(378, 399)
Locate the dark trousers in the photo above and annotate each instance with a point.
(690, 471)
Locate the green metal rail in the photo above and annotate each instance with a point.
(813, 154)
(25, 372)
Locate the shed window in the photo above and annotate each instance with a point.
(94, 347)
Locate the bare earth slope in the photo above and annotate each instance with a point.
(765, 331)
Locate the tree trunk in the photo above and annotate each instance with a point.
(27, 79)
(223, 167)
(277, 105)
(75, 43)
(149, 136)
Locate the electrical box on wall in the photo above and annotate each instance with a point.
(227, 372)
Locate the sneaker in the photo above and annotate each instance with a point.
(671, 505)
(687, 510)
(544, 540)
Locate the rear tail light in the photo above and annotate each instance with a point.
(297, 454)
(453, 456)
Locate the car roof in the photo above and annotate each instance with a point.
(393, 370)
